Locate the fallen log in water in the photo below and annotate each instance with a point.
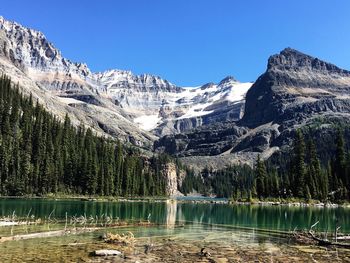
(75, 230)
(344, 238)
(324, 242)
(55, 233)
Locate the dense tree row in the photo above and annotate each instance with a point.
(192, 182)
(307, 178)
(304, 176)
(39, 155)
(299, 174)
(235, 181)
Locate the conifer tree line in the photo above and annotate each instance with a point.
(39, 154)
(303, 175)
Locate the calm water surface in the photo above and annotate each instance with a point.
(169, 213)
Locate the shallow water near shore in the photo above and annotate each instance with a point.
(230, 233)
(172, 245)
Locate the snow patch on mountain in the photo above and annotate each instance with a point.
(70, 100)
(204, 97)
(147, 122)
(146, 100)
(238, 92)
(196, 111)
(152, 101)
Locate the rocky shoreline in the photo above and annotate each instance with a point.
(184, 199)
(261, 203)
(295, 204)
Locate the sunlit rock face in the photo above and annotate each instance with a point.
(62, 86)
(164, 108)
(134, 108)
(297, 90)
(294, 86)
(173, 179)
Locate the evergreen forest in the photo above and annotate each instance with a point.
(40, 155)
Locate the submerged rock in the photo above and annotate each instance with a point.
(107, 252)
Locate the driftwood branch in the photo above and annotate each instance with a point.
(48, 234)
(314, 225)
(323, 242)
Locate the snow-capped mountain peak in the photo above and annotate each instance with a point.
(29, 48)
(147, 101)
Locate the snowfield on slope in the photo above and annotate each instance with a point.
(193, 101)
(147, 122)
(215, 93)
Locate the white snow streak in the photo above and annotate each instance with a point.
(147, 122)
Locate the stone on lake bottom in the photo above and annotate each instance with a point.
(107, 252)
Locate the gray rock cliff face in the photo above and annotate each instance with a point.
(135, 108)
(296, 90)
(206, 140)
(61, 85)
(296, 86)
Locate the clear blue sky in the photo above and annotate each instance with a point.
(188, 42)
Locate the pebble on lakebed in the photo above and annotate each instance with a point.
(107, 252)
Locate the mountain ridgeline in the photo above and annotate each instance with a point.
(288, 129)
(296, 86)
(296, 91)
(135, 108)
(40, 155)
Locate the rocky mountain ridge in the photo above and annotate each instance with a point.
(134, 108)
(294, 84)
(296, 90)
(213, 124)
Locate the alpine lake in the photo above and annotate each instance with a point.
(165, 231)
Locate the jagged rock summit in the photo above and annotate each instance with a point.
(296, 90)
(61, 85)
(134, 108)
(296, 85)
(290, 58)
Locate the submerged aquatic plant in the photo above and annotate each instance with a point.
(126, 239)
